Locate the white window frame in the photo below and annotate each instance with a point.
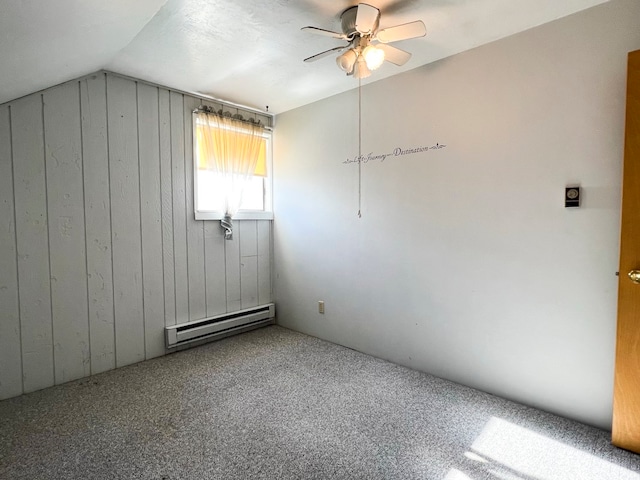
(266, 214)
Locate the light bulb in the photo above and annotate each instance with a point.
(360, 70)
(373, 56)
(347, 60)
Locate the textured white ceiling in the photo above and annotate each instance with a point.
(244, 51)
(43, 43)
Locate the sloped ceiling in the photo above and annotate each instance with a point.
(43, 43)
(244, 51)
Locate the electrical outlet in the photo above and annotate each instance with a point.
(320, 306)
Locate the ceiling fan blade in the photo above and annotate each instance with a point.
(326, 33)
(394, 55)
(367, 18)
(402, 32)
(326, 53)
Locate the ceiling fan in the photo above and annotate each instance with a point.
(367, 47)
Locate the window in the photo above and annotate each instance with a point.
(226, 182)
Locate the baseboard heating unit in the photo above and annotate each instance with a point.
(220, 326)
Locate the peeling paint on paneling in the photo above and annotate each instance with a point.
(93, 96)
(65, 204)
(125, 220)
(10, 351)
(32, 237)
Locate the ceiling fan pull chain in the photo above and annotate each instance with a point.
(359, 148)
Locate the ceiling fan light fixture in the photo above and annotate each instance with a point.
(374, 57)
(360, 69)
(347, 60)
(367, 46)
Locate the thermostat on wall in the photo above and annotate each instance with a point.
(572, 197)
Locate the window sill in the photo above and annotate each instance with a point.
(242, 215)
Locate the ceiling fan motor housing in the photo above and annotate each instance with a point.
(348, 21)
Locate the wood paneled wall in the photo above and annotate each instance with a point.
(99, 248)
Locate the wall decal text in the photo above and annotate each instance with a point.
(396, 152)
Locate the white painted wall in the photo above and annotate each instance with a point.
(99, 248)
(465, 263)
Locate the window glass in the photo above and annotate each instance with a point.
(209, 185)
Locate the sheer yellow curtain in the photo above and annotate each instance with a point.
(233, 149)
(226, 144)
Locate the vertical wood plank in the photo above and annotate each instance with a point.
(179, 208)
(125, 217)
(232, 269)
(65, 200)
(151, 217)
(215, 268)
(10, 355)
(93, 101)
(248, 263)
(166, 184)
(264, 262)
(195, 229)
(32, 243)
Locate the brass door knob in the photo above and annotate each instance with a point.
(634, 275)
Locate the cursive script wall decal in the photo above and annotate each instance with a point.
(397, 152)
